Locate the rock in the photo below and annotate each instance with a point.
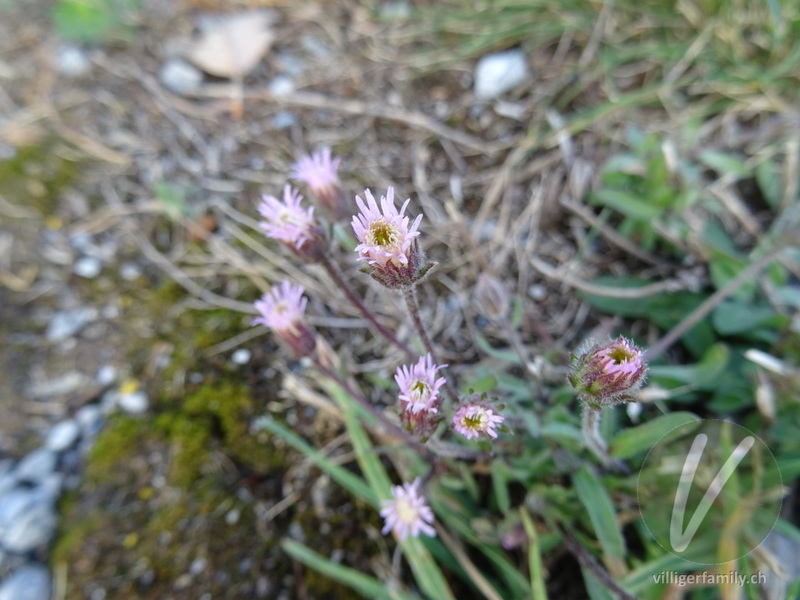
(281, 86)
(134, 402)
(60, 386)
(37, 465)
(87, 267)
(27, 520)
(72, 61)
(130, 271)
(30, 582)
(283, 120)
(8, 481)
(497, 73)
(63, 435)
(241, 356)
(90, 419)
(106, 375)
(180, 77)
(65, 324)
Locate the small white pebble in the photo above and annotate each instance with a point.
(88, 267)
(241, 356)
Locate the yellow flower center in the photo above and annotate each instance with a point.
(475, 420)
(620, 354)
(382, 233)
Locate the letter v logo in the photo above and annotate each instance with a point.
(680, 539)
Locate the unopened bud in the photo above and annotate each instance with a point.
(492, 297)
(606, 374)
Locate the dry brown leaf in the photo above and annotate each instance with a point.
(232, 46)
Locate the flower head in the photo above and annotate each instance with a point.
(282, 310)
(419, 385)
(606, 374)
(387, 243)
(476, 419)
(407, 513)
(320, 172)
(292, 225)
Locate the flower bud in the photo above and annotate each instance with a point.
(606, 374)
(491, 297)
(320, 172)
(292, 225)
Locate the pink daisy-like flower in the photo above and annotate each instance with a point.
(388, 244)
(384, 233)
(419, 385)
(407, 512)
(476, 419)
(291, 224)
(320, 172)
(605, 374)
(282, 310)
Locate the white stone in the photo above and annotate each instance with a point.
(90, 418)
(180, 77)
(27, 519)
(62, 436)
(106, 375)
(71, 61)
(241, 356)
(67, 323)
(129, 271)
(30, 582)
(37, 465)
(88, 267)
(281, 86)
(500, 72)
(134, 402)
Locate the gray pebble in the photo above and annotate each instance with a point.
(31, 582)
(281, 86)
(500, 72)
(179, 76)
(27, 520)
(88, 267)
(106, 375)
(129, 271)
(90, 419)
(241, 356)
(72, 61)
(62, 435)
(37, 465)
(283, 120)
(134, 403)
(67, 323)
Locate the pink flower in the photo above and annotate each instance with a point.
(606, 374)
(292, 225)
(320, 172)
(476, 419)
(388, 243)
(282, 310)
(384, 234)
(407, 513)
(419, 385)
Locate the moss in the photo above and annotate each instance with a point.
(120, 437)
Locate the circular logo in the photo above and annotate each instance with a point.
(710, 491)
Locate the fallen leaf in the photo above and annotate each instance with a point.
(233, 45)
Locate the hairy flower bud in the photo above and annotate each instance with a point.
(606, 374)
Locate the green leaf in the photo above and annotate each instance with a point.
(483, 385)
(499, 484)
(629, 205)
(721, 269)
(426, 571)
(538, 588)
(769, 182)
(367, 586)
(639, 439)
(724, 163)
(732, 317)
(352, 483)
(504, 355)
(597, 502)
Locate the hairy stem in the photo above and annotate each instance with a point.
(339, 279)
(410, 295)
(591, 431)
